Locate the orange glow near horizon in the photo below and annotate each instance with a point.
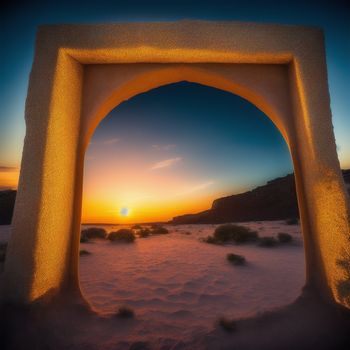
(9, 177)
(95, 211)
(137, 192)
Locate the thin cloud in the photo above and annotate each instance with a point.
(111, 141)
(196, 188)
(166, 163)
(164, 147)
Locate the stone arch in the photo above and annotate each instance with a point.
(81, 72)
(104, 91)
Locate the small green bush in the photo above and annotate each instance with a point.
(232, 233)
(227, 324)
(125, 312)
(267, 241)
(159, 230)
(92, 233)
(84, 252)
(124, 235)
(292, 221)
(144, 233)
(284, 237)
(236, 259)
(3, 248)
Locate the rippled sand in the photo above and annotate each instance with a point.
(179, 285)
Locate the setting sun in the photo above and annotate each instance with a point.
(124, 211)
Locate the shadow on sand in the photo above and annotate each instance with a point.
(307, 323)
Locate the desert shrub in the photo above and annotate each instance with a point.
(125, 312)
(84, 239)
(227, 324)
(136, 227)
(145, 232)
(267, 241)
(236, 259)
(292, 221)
(93, 232)
(140, 345)
(123, 235)
(284, 237)
(159, 230)
(3, 247)
(210, 240)
(235, 233)
(187, 233)
(84, 252)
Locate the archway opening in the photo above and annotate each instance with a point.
(173, 151)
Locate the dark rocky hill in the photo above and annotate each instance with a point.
(7, 203)
(276, 200)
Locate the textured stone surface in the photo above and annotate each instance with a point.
(280, 69)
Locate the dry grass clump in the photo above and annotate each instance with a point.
(92, 233)
(236, 259)
(268, 242)
(140, 345)
(232, 233)
(84, 239)
(292, 221)
(284, 237)
(84, 252)
(125, 312)
(210, 240)
(159, 230)
(144, 233)
(3, 247)
(124, 235)
(227, 324)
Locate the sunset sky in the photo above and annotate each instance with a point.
(176, 148)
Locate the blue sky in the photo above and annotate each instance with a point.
(207, 130)
(250, 131)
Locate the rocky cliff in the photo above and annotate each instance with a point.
(276, 200)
